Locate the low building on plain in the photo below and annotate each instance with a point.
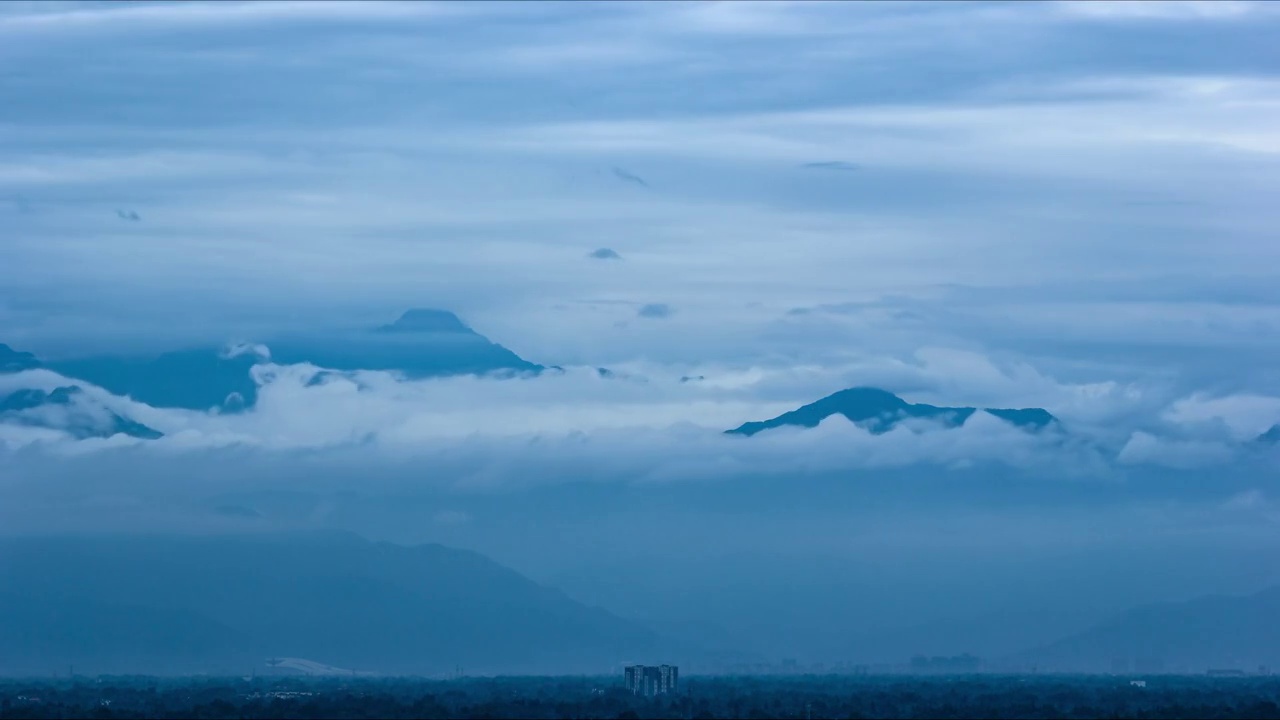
(651, 680)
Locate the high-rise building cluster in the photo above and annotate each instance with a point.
(651, 680)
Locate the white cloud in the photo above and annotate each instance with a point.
(56, 17)
(642, 424)
(1145, 448)
(1159, 9)
(1246, 416)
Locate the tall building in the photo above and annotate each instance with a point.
(650, 680)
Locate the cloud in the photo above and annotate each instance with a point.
(1160, 9)
(315, 200)
(1245, 416)
(831, 165)
(655, 310)
(604, 254)
(1144, 448)
(579, 418)
(258, 350)
(627, 176)
(62, 17)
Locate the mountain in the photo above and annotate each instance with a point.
(879, 411)
(1230, 632)
(1270, 437)
(197, 379)
(150, 604)
(68, 409)
(12, 361)
(421, 343)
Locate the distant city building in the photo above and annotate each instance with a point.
(650, 680)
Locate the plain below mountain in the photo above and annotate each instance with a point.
(1237, 632)
(422, 343)
(879, 411)
(69, 409)
(172, 604)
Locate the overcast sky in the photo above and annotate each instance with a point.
(1084, 180)
(1059, 205)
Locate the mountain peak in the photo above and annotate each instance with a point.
(79, 421)
(14, 361)
(880, 411)
(418, 320)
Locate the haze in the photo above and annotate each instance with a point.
(628, 228)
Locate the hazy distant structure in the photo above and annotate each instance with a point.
(651, 680)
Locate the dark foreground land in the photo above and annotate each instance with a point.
(974, 696)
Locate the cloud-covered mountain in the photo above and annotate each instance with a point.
(1270, 437)
(879, 411)
(68, 409)
(223, 604)
(1237, 632)
(421, 343)
(14, 361)
(197, 379)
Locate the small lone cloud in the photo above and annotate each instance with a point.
(656, 310)
(627, 176)
(451, 517)
(832, 165)
(604, 254)
(130, 215)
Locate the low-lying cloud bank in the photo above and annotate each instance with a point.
(655, 423)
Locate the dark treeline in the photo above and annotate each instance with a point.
(973, 696)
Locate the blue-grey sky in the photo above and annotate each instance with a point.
(1061, 205)
(1095, 174)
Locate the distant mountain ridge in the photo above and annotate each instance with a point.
(182, 604)
(12, 361)
(1230, 632)
(421, 343)
(68, 409)
(879, 411)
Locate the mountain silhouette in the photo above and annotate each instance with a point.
(1238, 632)
(421, 343)
(70, 410)
(1270, 437)
(12, 361)
(183, 604)
(879, 411)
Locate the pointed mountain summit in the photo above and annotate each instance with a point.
(12, 361)
(421, 343)
(70, 410)
(879, 411)
(419, 320)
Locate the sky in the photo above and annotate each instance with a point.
(1061, 205)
